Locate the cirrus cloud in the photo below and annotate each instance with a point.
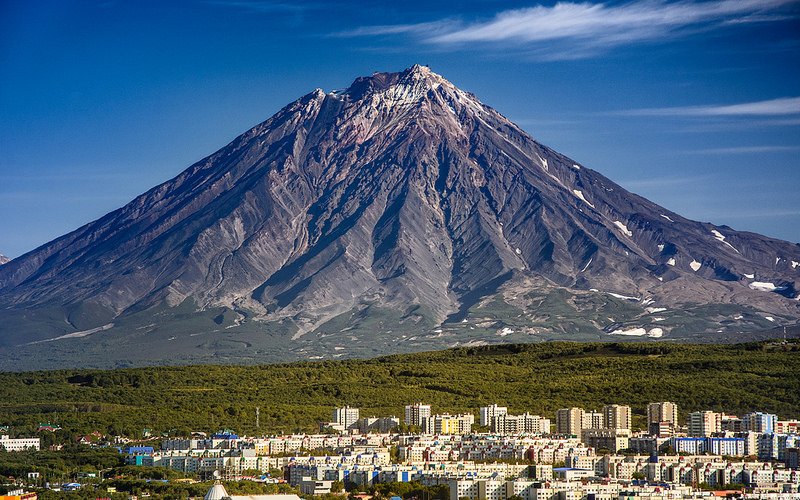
(772, 107)
(587, 27)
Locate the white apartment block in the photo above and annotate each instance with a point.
(617, 416)
(20, 444)
(569, 421)
(520, 424)
(491, 411)
(445, 448)
(664, 411)
(416, 414)
(593, 420)
(488, 489)
(381, 425)
(346, 417)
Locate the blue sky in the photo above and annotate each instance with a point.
(692, 104)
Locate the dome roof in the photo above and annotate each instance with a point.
(217, 492)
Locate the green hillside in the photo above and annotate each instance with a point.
(539, 378)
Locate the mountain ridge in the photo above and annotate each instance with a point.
(404, 193)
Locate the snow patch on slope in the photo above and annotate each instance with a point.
(640, 332)
(762, 286)
(695, 265)
(720, 237)
(76, 335)
(622, 227)
(617, 295)
(579, 194)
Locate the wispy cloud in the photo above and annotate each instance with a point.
(772, 107)
(607, 24)
(418, 29)
(587, 27)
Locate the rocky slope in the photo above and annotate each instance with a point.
(401, 206)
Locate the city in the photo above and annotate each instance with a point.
(592, 454)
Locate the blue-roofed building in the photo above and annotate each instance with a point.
(690, 445)
(726, 446)
(140, 450)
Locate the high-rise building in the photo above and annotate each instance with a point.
(703, 423)
(593, 420)
(346, 417)
(417, 413)
(662, 412)
(760, 422)
(731, 423)
(662, 418)
(617, 417)
(491, 411)
(569, 421)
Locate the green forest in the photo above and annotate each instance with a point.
(295, 397)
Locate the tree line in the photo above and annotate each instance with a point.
(295, 397)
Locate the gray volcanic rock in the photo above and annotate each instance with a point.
(400, 193)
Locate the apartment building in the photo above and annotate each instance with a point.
(662, 418)
(703, 423)
(760, 422)
(617, 417)
(346, 417)
(487, 413)
(449, 424)
(569, 421)
(20, 444)
(416, 414)
(519, 424)
(593, 420)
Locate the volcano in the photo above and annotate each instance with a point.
(399, 214)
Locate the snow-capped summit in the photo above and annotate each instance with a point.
(398, 214)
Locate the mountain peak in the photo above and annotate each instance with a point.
(409, 85)
(404, 205)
